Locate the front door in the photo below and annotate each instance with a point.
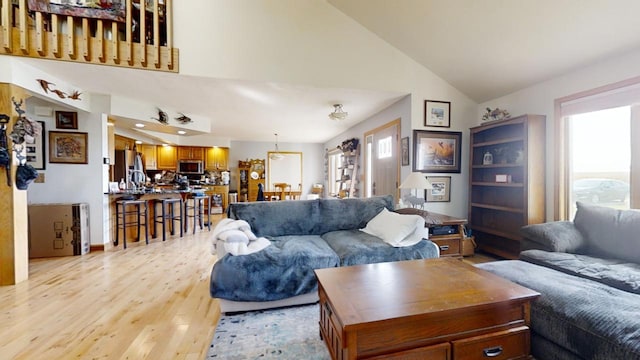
(382, 166)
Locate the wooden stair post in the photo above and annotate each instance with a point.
(14, 240)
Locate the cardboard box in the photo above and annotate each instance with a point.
(58, 230)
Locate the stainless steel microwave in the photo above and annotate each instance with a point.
(190, 167)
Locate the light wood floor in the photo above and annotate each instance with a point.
(145, 302)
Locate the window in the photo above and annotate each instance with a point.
(596, 157)
(600, 158)
(335, 163)
(384, 148)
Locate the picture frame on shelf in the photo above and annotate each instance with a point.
(404, 147)
(436, 151)
(68, 147)
(67, 120)
(437, 113)
(441, 191)
(35, 150)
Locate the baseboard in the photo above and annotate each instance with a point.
(96, 247)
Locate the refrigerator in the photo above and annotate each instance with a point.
(58, 230)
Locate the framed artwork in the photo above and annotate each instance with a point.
(35, 150)
(441, 191)
(405, 150)
(68, 147)
(67, 120)
(436, 151)
(437, 113)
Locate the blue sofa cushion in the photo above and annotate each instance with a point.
(308, 217)
(590, 319)
(281, 270)
(617, 273)
(355, 247)
(609, 232)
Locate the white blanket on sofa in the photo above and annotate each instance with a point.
(235, 237)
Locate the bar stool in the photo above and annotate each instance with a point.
(197, 204)
(126, 208)
(167, 213)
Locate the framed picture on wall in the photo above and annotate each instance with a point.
(67, 120)
(35, 150)
(437, 113)
(436, 151)
(68, 147)
(404, 150)
(441, 191)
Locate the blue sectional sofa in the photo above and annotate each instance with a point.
(588, 274)
(305, 235)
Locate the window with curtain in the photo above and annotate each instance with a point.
(597, 157)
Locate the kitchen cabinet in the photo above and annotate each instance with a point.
(167, 158)
(217, 158)
(149, 157)
(506, 182)
(190, 153)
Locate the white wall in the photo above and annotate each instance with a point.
(74, 183)
(312, 159)
(539, 99)
(460, 119)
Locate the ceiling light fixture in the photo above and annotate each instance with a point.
(338, 114)
(276, 155)
(139, 125)
(181, 132)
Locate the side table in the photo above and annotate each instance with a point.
(445, 231)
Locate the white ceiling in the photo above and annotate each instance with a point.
(485, 49)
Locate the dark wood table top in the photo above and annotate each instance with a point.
(364, 294)
(431, 218)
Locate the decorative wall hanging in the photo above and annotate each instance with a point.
(106, 10)
(162, 118)
(49, 86)
(183, 119)
(436, 151)
(68, 147)
(67, 120)
(5, 156)
(437, 113)
(25, 173)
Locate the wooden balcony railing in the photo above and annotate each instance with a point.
(139, 37)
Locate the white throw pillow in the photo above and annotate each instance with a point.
(396, 229)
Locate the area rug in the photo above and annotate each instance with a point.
(285, 333)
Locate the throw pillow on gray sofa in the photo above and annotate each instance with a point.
(609, 232)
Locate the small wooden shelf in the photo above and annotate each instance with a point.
(493, 231)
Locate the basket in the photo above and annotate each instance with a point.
(468, 246)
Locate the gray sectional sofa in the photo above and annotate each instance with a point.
(588, 274)
(305, 235)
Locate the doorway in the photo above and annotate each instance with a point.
(382, 165)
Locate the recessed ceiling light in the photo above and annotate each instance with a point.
(138, 142)
(138, 125)
(181, 132)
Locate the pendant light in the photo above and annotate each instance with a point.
(276, 155)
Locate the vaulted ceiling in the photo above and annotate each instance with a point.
(485, 49)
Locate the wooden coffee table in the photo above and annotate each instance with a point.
(422, 309)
